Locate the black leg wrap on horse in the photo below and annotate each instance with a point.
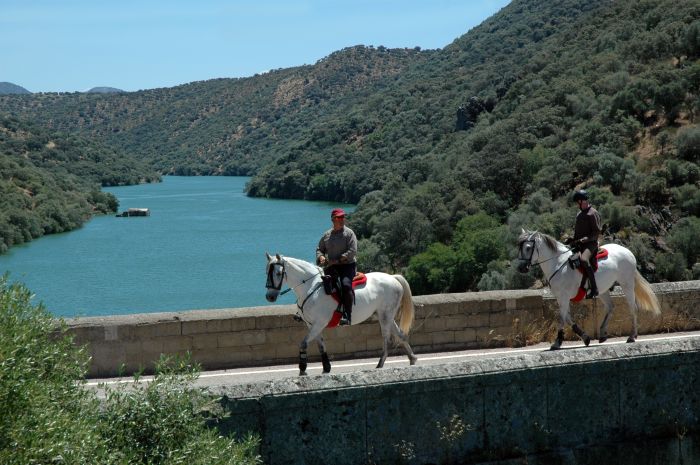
(577, 330)
(560, 335)
(302, 361)
(326, 362)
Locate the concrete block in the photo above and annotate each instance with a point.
(443, 337)
(158, 329)
(176, 344)
(501, 319)
(219, 325)
(465, 335)
(204, 341)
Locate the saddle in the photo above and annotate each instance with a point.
(360, 279)
(581, 294)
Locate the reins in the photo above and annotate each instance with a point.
(303, 281)
(550, 258)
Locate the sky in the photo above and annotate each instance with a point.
(75, 45)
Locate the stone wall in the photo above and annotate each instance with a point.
(619, 404)
(267, 335)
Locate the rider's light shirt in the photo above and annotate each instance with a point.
(338, 245)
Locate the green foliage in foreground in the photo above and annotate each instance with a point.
(48, 417)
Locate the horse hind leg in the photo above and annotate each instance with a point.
(607, 302)
(581, 333)
(325, 361)
(632, 303)
(403, 340)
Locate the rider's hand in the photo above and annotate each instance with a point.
(322, 260)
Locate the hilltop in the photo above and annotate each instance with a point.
(9, 88)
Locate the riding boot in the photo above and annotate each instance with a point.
(593, 287)
(347, 307)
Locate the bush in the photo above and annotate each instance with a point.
(688, 144)
(684, 238)
(160, 422)
(48, 417)
(671, 267)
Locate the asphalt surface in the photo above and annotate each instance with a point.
(277, 372)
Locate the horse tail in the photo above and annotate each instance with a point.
(406, 310)
(644, 295)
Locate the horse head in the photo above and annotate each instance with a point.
(275, 276)
(527, 245)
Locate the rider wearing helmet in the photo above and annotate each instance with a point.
(586, 232)
(336, 252)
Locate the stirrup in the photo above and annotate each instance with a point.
(344, 321)
(592, 294)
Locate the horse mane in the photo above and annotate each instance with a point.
(303, 264)
(551, 243)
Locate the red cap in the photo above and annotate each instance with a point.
(337, 212)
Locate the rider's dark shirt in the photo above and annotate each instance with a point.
(588, 224)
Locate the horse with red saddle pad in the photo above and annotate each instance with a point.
(619, 266)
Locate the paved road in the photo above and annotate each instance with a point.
(269, 373)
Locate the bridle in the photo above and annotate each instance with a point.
(278, 269)
(528, 259)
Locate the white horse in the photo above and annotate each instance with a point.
(535, 248)
(386, 295)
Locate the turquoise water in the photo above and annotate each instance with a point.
(202, 247)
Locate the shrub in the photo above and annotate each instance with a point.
(48, 417)
(688, 144)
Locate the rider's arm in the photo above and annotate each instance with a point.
(349, 255)
(321, 250)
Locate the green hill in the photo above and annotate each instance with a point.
(449, 152)
(50, 182)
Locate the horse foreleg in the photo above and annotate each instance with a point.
(607, 302)
(581, 333)
(314, 332)
(563, 319)
(324, 356)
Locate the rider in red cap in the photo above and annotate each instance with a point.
(336, 252)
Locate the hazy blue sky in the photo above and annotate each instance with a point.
(74, 45)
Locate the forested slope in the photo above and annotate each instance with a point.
(50, 182)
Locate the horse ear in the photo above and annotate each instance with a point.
(278, 257)
(523, 230)
(267, 255)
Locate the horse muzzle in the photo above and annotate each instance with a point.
(271, 295)
(524, 266)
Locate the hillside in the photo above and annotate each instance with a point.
(50, 182)
(221, 126)
(450, 152)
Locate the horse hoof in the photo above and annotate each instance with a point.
(587, 340)
(630, 339)
(413, 360)
(326, 371)
(602, 339)
(302, 373)
(555, 346)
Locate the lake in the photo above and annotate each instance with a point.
(202, 247)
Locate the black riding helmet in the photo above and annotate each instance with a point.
(580, 195)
